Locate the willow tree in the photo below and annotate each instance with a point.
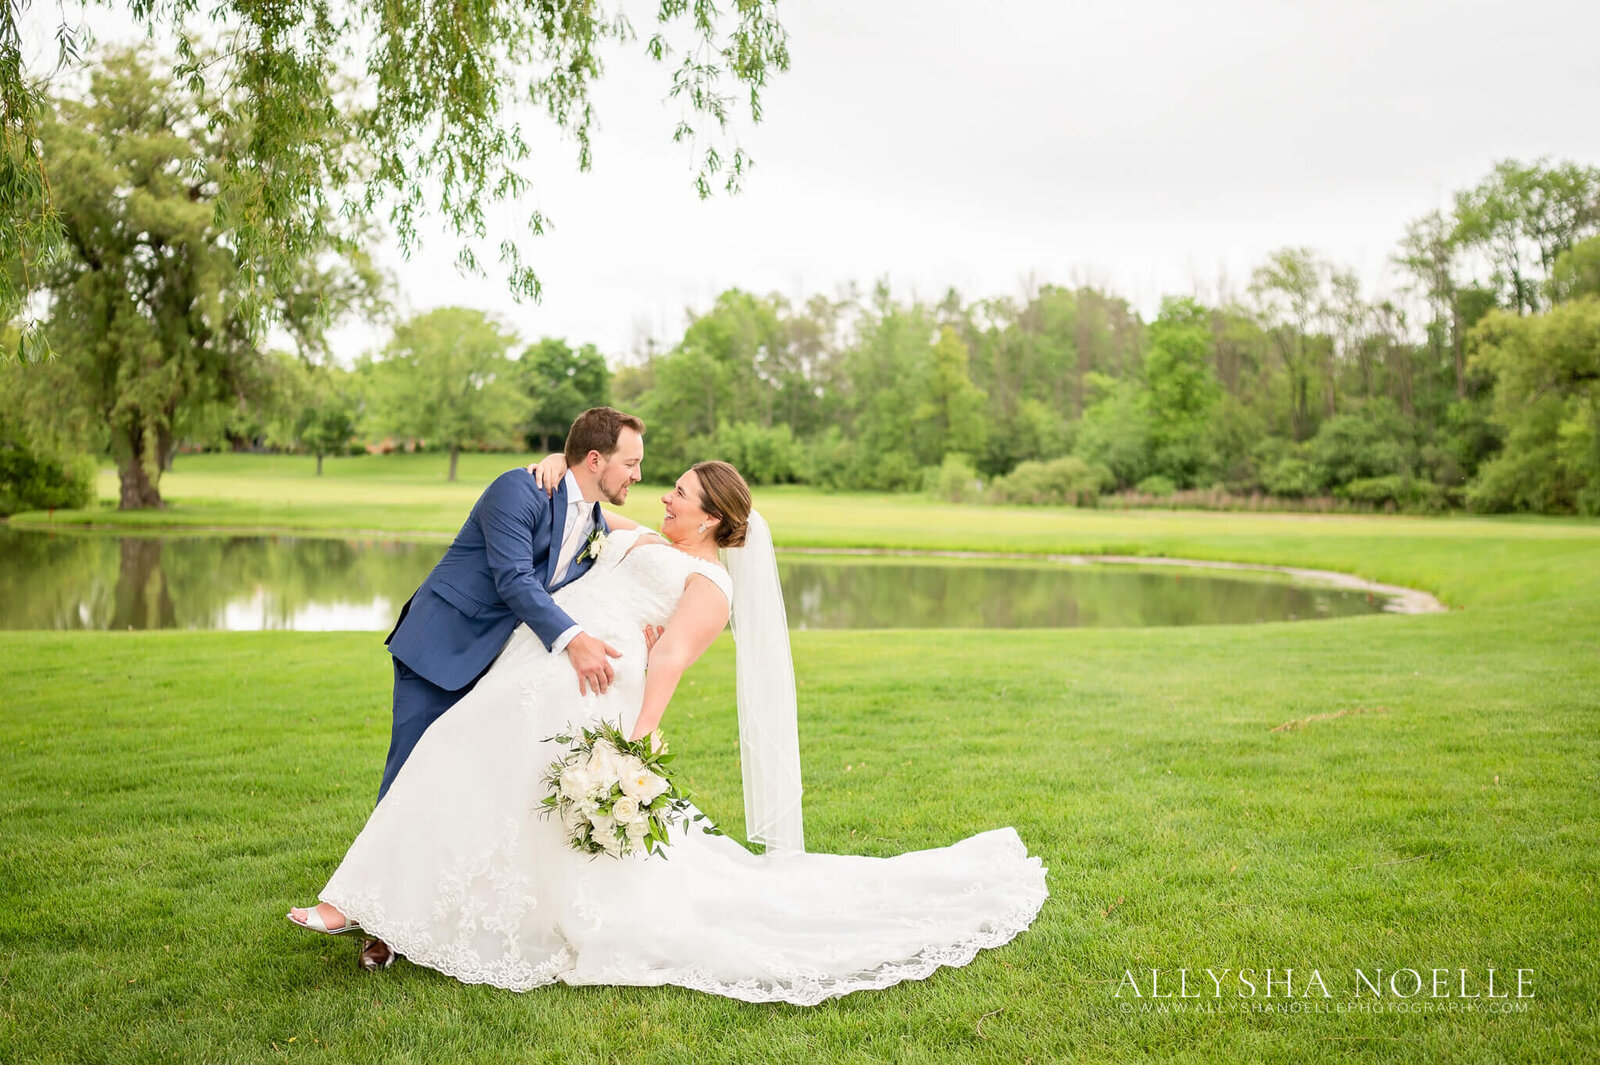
(437, 91)
(149, 300)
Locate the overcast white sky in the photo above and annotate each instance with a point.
(1152, 146)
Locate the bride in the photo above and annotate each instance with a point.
(457, 871)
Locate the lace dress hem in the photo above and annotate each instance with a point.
(801, 990)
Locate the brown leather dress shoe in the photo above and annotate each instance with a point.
(375, 956)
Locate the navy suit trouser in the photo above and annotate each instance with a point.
(418, 702)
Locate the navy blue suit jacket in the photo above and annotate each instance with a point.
(497, 573)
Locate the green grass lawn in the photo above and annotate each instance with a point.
(168, 795)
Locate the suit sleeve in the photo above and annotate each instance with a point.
(513, 511)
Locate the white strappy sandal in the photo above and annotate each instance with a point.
(315, 923)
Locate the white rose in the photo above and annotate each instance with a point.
(625, 809)
(605, 764)
(638, 830)
(601, 547)
(576, 782)
(643, 786)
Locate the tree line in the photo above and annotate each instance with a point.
(1473, 384)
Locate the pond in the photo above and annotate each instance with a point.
(52, 580)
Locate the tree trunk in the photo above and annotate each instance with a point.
(455, 452)
(1085, 361)
(138, 490)
(1400, 356)
(1460, 353)
(319, 465)
(1296, 364)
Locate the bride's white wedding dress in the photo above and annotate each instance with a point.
(456, 871)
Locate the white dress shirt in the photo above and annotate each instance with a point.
(579, 522)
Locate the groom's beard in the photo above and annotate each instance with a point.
(618, 495)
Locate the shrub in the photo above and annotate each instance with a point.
(1396, 492)
(828, 458)
(1359, 445)
(1291, 476)
(955, 480)
(30, 481)
(764, 455)
(834, 461)
(891, 471)
(1067, 480)
(1157, 485)
(1524, 479)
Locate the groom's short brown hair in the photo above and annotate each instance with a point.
(597, 429)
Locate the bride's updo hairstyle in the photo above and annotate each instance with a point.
(723, 494)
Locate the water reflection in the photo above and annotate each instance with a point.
(88, 581)
(239, 583)
(967, 595)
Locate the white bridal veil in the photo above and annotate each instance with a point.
(769, 729)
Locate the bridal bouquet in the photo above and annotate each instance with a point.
(615, 795)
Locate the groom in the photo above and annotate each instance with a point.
(517, 546)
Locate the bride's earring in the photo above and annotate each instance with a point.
(702, 527)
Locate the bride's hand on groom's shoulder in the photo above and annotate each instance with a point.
(548, 472)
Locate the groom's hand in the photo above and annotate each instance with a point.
(588, 656)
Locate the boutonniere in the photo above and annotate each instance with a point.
(593, 547)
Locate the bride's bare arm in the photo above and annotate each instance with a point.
(549, 470)
(701, 615)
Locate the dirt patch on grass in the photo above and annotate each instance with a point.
(1290, 726)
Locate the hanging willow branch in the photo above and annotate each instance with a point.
(428, 85)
